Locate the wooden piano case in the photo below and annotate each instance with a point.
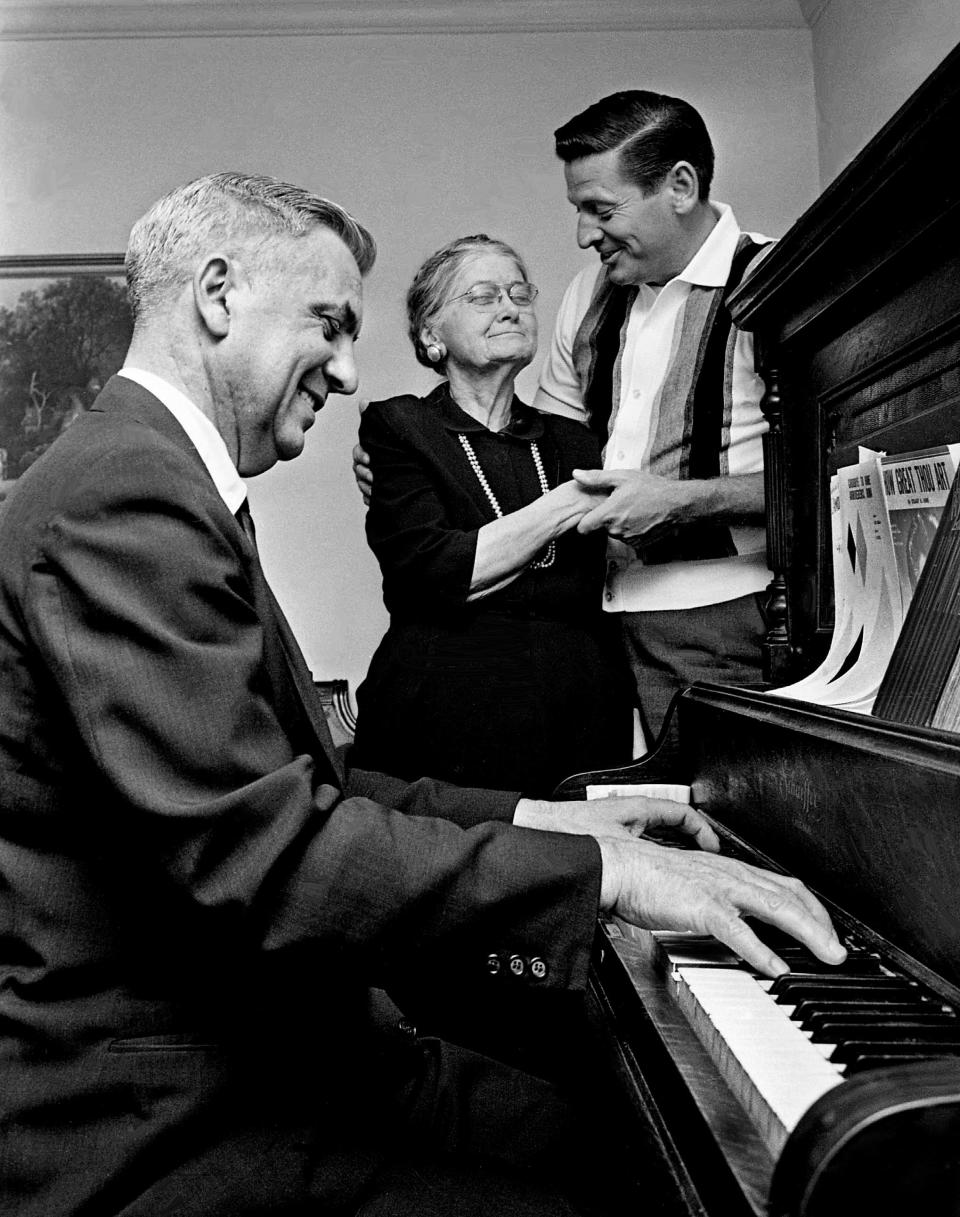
(856, 313)
(856, 317)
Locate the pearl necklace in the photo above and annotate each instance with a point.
(551, 551)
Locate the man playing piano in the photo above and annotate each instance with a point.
(196, 902)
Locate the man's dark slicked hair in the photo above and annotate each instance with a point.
(651, 131)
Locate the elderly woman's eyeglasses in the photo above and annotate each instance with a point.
(487, 295)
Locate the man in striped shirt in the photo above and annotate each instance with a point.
(645, 352)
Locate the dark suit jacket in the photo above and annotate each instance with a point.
(194, 900)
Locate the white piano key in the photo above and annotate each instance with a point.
(769, 1063)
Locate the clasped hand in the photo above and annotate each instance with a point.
(573, 501)
(636, 507)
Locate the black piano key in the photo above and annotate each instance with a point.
(831, 978)
(888, 1033)
(926, 1012)
(862, 988)
(859, 958)
(853, 965)
(779, 940)
(840, 1027)
(852, 1050)
(882, 1060)
(809, 1010)
(836, 976)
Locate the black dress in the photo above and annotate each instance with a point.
(520, 688)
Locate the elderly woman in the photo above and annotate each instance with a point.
(499, 668)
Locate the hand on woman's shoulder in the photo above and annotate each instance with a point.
(403, 422)
(391, 407)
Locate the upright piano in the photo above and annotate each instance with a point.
(835, 1094)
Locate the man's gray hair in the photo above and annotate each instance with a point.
(226, 211)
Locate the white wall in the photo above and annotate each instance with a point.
(869, 56)
(423, 137)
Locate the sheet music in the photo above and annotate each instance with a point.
(653, 790)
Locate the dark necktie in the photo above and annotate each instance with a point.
(245, 520)
(293, 660)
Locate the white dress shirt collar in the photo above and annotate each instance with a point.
(202, 434)
(710, 265)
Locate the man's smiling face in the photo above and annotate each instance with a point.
(295, 315)
(638, 236)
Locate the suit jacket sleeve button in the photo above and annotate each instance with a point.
(518, 965)
(538, 968)
(493, 964)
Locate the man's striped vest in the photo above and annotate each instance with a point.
(690, 431)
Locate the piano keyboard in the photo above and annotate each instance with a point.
(782, 1044)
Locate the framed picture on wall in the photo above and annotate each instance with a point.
(64, 329)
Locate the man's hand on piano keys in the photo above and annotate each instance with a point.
(628, 816)
(666, 889)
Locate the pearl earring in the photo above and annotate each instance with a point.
(435, 352)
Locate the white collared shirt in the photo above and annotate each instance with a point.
(653, 329)
(202, 434)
